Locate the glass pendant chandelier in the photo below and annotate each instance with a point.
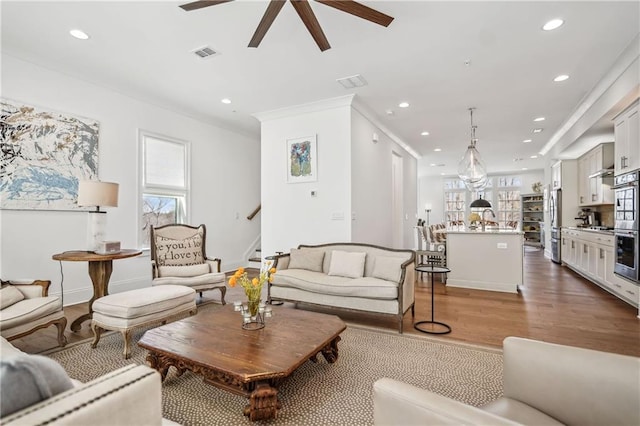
(471, 168)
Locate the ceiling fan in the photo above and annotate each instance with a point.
(306, 14)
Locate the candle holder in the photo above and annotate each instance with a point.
(256, 322)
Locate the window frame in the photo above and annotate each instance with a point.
(183, 193)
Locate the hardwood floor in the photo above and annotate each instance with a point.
(556, 305)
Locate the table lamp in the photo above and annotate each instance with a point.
(93, 193)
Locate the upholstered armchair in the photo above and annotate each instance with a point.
(26, 307)
(178, 257)
(544, 384)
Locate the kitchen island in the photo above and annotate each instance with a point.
(485, 260)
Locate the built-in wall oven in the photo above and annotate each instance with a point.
(627, 243)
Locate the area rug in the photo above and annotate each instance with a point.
(320, 393)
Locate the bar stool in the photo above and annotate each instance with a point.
(435, 327)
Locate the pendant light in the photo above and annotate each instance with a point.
(480, 204)
(471, 168)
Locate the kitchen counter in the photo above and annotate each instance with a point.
(596, 231)
(488, 231)
(490, 260)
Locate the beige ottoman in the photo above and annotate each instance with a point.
(138, 308)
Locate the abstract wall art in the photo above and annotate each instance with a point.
(44, 156)
(302, 164)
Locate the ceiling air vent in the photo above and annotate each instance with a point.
(204, 52)
(353, 81)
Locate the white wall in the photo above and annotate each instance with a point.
(290, 215)
(30, 238)
(354, 179)
(371, 185)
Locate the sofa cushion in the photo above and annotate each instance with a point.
(519, 412)
(310, 260)
(316, 282)
(143, 301)
(179, 252)
(9, 295)
(387, 268)
(347, 264)
(184, 271)
(28, 310)
(27, 379)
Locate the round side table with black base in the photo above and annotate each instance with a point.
(434, 327)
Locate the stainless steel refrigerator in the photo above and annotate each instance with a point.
(555, 216)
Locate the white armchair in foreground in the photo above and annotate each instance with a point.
(544, 384)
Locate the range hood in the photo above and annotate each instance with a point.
(603, 173)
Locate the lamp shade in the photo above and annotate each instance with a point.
(480, 203)
(93, 193)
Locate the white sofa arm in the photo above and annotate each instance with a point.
(397, 403)
(128, 396)
(573, 385)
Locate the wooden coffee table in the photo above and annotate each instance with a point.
(245, 362)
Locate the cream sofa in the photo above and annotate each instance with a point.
(128, 396)
(544, 384)
(360, 277)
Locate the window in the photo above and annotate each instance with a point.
(507, 206)
(164, 181)
(508, 199)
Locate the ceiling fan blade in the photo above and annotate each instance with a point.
(203, 3)
(265, 23)
(359, 10)
(312, 24)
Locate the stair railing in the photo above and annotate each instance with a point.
(254, 212)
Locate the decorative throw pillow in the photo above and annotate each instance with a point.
(308, 259)
(184, 271)
(347, 264)
(9, 295)
(179, 252)
(387, 268)
(27, 379)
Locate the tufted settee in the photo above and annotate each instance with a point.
(352, 276)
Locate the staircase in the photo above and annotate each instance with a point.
(255, 261)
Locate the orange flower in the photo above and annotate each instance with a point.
(232, 281)
(271, 279)
(240, 270)
(255, 282)
(272, 270)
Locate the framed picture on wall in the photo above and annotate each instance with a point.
(302, 160)
(45, 154)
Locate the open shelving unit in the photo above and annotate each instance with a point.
(532, 215)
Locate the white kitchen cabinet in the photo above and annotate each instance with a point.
(627, 139)
(592, 255)
(594, 191)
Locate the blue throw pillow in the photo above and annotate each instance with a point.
(27, 379)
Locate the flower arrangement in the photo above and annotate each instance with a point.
(253, 287)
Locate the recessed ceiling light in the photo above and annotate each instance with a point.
(403, 104)
(538, 130)
(433, 164)
(437, 149)
(425, 133)
(538, 119)
(534, 156)
(389, 112)
(442, 174)
(79, 34)
(526, 141)
(225, 101)
(561, 77)
(524, 168)
(552, 24)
